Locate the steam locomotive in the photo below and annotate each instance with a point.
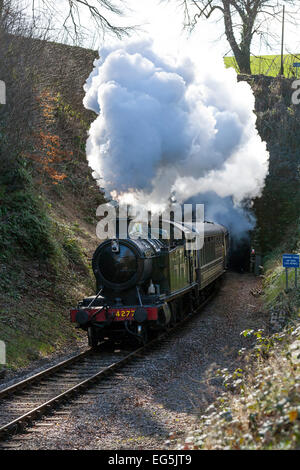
(149, 282)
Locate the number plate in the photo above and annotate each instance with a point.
(126, 314)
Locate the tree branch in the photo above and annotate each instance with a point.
(72, 23)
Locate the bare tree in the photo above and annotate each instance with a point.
(243, 19)
(69, 13)
(21, 59)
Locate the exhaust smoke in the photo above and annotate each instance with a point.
(169, 126)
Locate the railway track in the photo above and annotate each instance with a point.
(25, 402)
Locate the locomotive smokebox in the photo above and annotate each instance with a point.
(123, 264)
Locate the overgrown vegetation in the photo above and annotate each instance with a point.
(24, 222)
(48, 198)
(259, 406)
(43, 267)
(277, 209)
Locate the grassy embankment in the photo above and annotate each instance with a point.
(269, 65)
(44, 267)
(48, 201)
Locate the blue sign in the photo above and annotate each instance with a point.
(290, 261)
(296, 64)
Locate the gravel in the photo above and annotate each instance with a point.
(163, 393)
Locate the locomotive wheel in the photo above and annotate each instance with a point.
(92, 337)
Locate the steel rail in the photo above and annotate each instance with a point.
(19, 423)
(44, 373)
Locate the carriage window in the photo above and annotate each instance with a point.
(210, 249)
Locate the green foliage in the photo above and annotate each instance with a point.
(66, 112)
(24, 222)
(70, 244)
(264, 343)
(33, 331)
(27, 227)
(42, 269)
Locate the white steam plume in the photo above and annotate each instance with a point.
(166, 126)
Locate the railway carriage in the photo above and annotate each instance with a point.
(146, 284)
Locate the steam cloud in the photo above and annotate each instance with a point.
(168, 127)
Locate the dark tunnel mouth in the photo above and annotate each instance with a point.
(239, 255)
